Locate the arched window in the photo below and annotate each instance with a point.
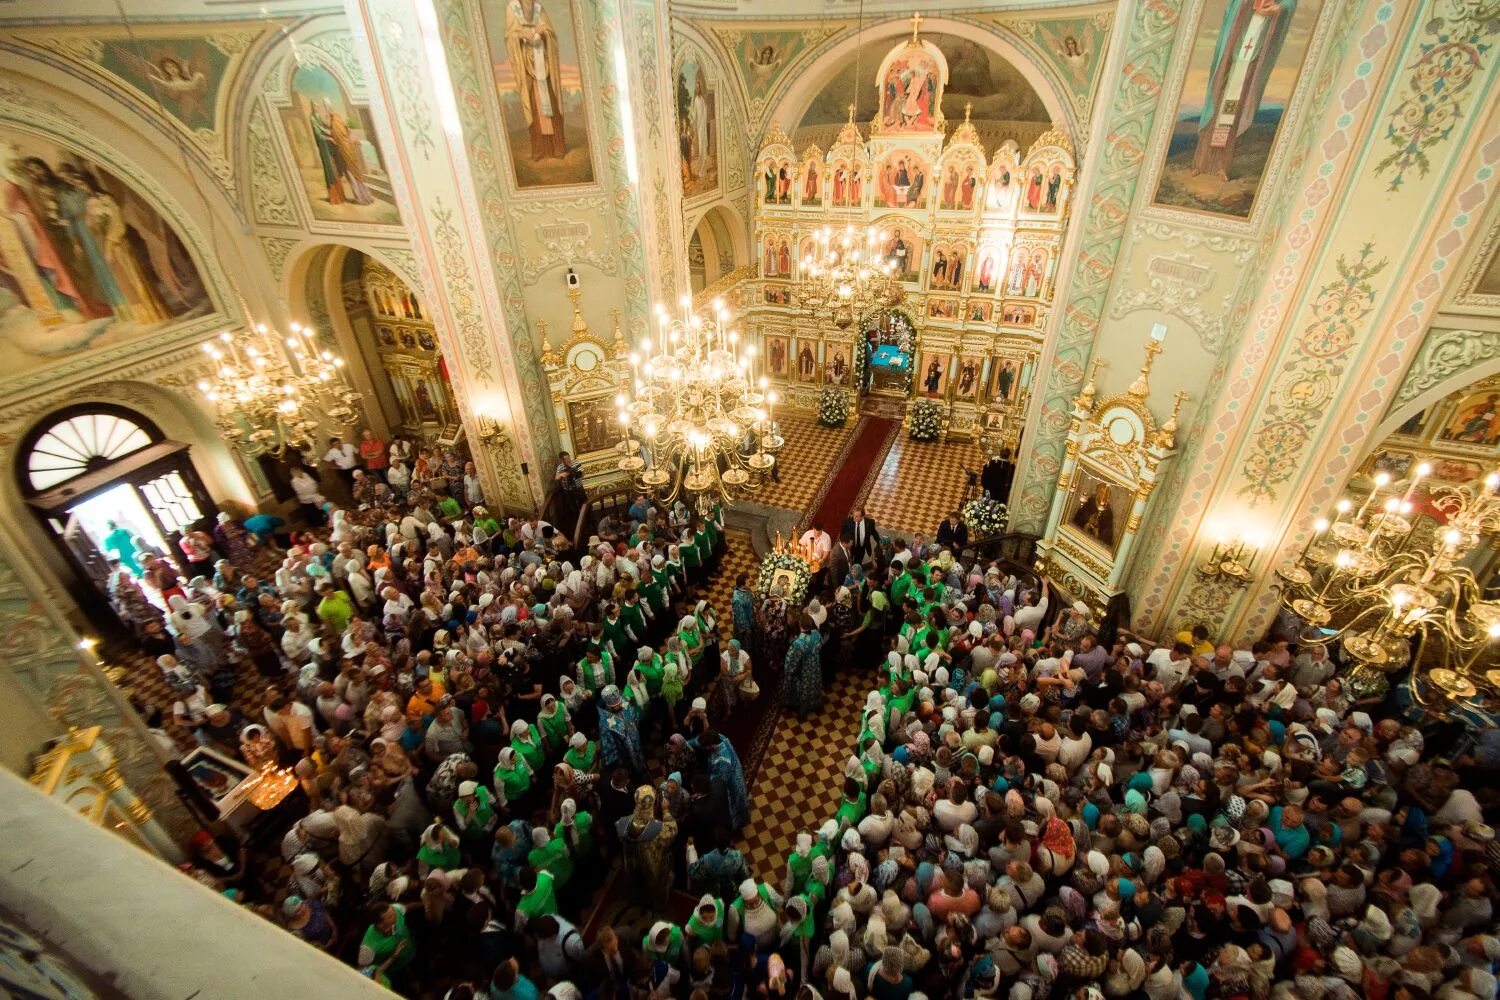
(81, 440)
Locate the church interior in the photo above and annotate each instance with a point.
(727, 498)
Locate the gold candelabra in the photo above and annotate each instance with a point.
(1362, 579)
(698, 425)
(269, 396)
(848, 275)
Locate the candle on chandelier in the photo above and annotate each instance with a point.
(1319, 526)
(1381, 479)
(1423, 471)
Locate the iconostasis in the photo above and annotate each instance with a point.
(973, 235)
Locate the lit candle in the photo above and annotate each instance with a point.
(1319, 526)
(1381, 479)
(1423, 470)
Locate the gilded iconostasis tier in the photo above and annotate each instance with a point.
(972, 235)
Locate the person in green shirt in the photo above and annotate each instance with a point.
(438, 849)
(852, 808)
(654, 587)
(900, 587)
(615, 634)
(538, 896)
(576, 830)
(335, 609)
(474, 812)
(690, 634)
(799, 864)
(596, 671)
(554, 723)
(548, 854)
(387, 946)
(705, 928)
(582, 755)
(663, 941)
(527, 741)
(651, 669)
(635, 615)
(450, 508)
(687, 550)
(487, 524)
(512, 778)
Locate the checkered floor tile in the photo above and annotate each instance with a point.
(739, 557)
(805, 461)
(919, 483)
(797, 787)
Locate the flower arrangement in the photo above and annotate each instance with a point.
(926, 420)
(833, 407)
(985, 516)
(788, 569)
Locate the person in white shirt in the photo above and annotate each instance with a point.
(309, 496)
(396, 603)
(344, 458)
(296, 641)
(1032, 616)
(291, 722)
(818, 542)
(1171, 663)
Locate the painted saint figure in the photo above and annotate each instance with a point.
(531, 42)
(1250, 40)
(1096, 517)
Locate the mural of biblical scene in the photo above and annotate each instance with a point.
(987, 276)
(960, 186)
(1245, 63)
(980, 311)
(183, 73)
(903, 250)
(901, 180)
(776, 257)
(333, 144)
(1006, 376)
(594, 424)
(777, 354)
(539, 80)
(812, 181)
(837, 367)
(911, 87)
(776, 181)
(1475, 421)
(807, 361)
(932, 373)
(966, 387)
(85, 261)
(761, 55)
(1000, 94)
(1028, 272)
(1098, 508)
(1004, 191)
(947, 271)
(1016, 314)
(697, 130)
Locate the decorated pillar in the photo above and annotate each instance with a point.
(1393, 188)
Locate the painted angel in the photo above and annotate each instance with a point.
(763, 61)
(175, 81)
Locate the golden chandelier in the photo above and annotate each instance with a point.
(1363, 580)
(269, 399)
(850, 274)
(698, 427)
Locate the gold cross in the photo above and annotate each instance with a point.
(916, 24)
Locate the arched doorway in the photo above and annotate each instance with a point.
(109, 488)
(717, 246)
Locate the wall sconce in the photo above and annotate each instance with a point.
(1232, 558)
(489, 428)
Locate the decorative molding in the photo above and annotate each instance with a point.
(555, 240)
(277, 251)
(403, 261)
(1303, 392)
(339, 46)
(1443, 355)
(411, 95)
(1174, 281)
(1452, 55)
(269, 203)
(1469, 296)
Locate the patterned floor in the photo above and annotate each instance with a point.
(806, 461)
(919, 483)
(739, 557)
(798, 785)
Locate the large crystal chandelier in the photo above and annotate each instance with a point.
(848, 274)
(270, 397)
(1394, 602)
(697, 427)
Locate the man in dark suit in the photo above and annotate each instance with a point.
(838, 561)
(864, 536)
(611, 956)
(953, 532)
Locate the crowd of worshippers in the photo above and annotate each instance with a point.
(1028, 812)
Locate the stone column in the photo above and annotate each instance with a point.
(440, 169)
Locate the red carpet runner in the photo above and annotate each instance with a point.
(865, 449)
